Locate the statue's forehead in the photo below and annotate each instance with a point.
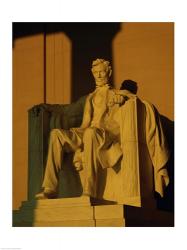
(99, 67)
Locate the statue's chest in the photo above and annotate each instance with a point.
(99, 98)
(102, 97)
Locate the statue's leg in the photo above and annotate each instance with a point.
(92, 139)
(60, 141)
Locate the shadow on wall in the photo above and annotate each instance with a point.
(130, 85)
(89, 41)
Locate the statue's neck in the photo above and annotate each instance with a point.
(106, 86)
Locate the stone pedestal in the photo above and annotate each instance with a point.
(68, 212)
(109, 216)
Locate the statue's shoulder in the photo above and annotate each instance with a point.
(90, 95)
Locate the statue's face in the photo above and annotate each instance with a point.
(100, 74)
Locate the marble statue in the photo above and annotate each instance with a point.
(111, 134)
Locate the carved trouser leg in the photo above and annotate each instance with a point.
(91, 140)
(60, 141)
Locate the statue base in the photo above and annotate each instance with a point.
(86, 212)
(68, 212)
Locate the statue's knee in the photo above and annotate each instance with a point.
(54, 133)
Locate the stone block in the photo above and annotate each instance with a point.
(63, 213)
(116, 222)
(65, 223)
(68, 212)
(54, 203)
(108, 212)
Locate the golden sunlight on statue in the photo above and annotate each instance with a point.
(118, 129)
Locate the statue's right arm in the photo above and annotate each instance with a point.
(87, 115)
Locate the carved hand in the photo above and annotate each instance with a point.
(118, 99)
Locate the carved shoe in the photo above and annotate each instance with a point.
(46, 194)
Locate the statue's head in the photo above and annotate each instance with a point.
(101, 71)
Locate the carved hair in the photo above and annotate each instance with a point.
(101, 61)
